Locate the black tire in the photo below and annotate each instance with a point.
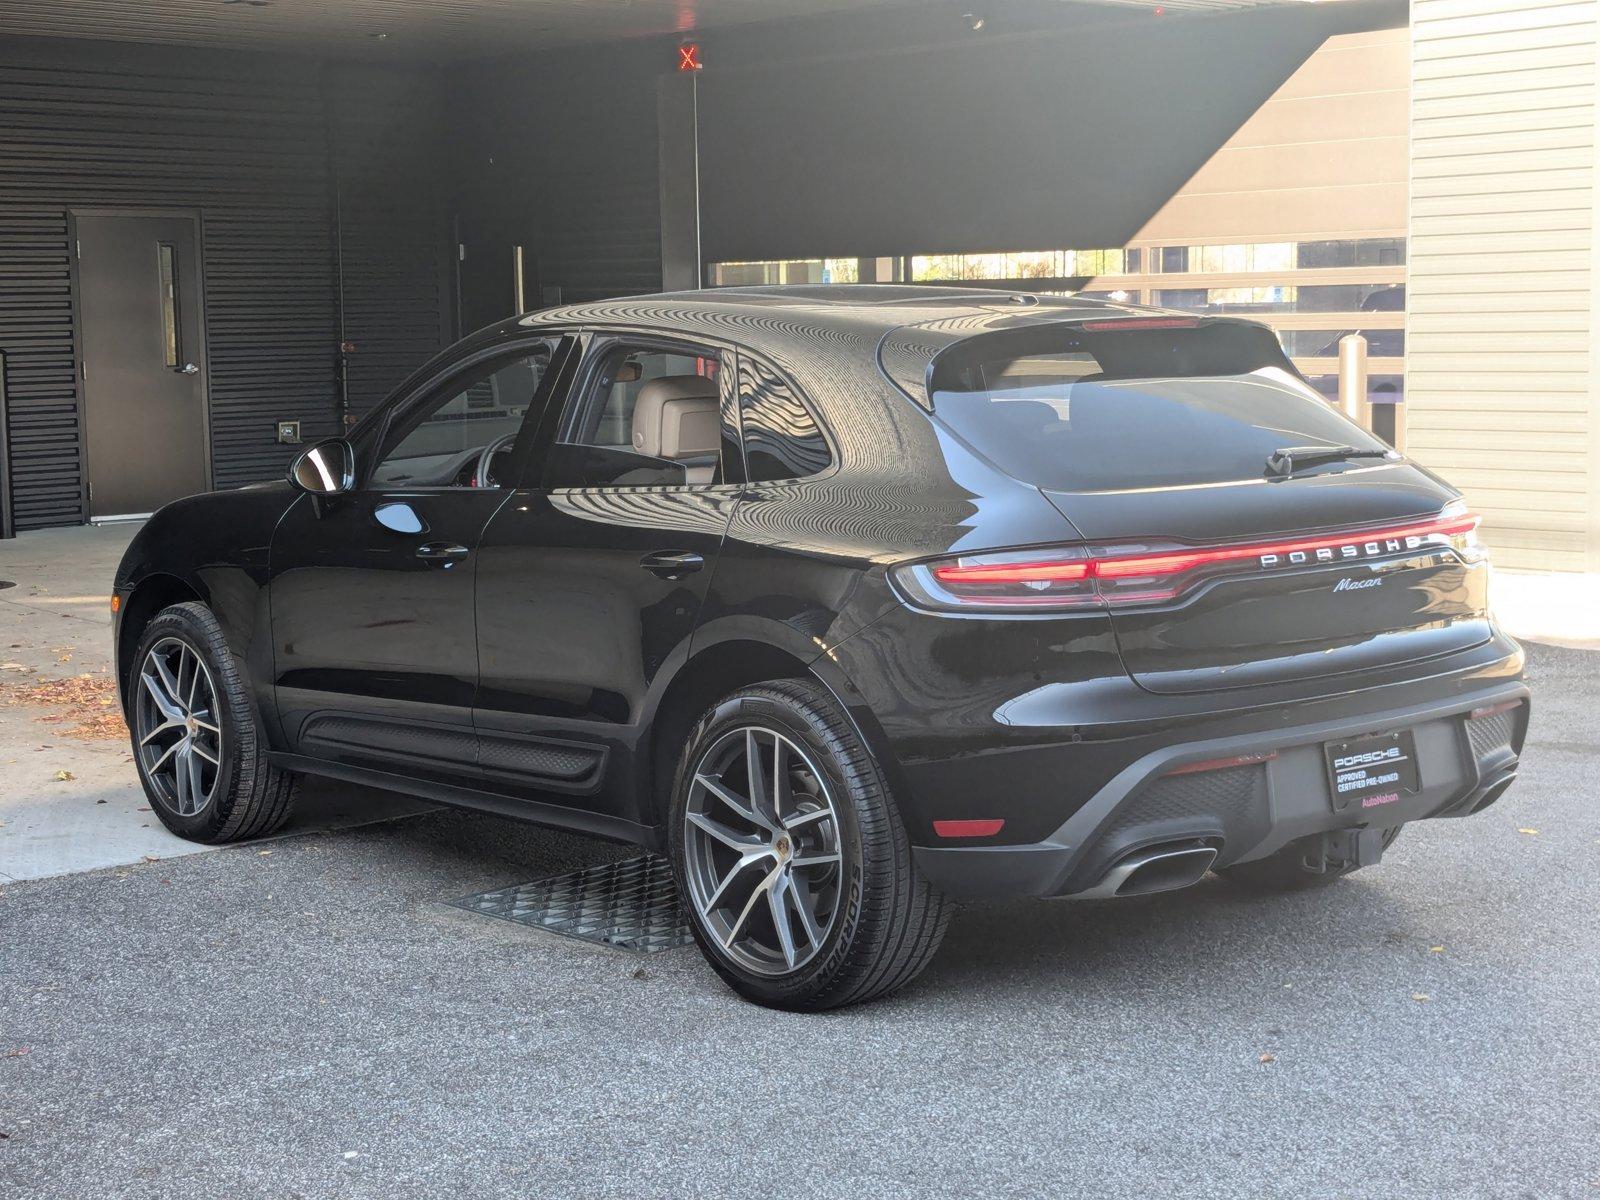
(248, 798)
(886, 920)
(1285, 870)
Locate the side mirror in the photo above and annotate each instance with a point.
(327, 469)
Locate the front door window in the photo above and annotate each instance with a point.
(463, 436)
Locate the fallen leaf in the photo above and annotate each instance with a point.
(19, 1053)
(1435, 949)
(1419, 997)
(1529, 832)
(262, 853)
(64, 776)
(152, 858)
(1267, 1058)
(99, 801)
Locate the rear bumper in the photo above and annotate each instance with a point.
(1247, 811)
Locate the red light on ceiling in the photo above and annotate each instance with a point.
(689, 57)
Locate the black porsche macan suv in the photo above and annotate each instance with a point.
(851, 601)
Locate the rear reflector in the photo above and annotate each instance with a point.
(1491, 710)
(968, 829)
(1222, 764)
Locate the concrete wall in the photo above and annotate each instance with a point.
(1324, 159)
(1501, 338)
(1072, 133)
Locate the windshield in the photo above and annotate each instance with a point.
(1078, 411)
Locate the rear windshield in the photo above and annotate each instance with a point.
(1078, 411)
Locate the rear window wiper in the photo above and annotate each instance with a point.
(1286, 460)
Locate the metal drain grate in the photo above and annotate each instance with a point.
(632, 904)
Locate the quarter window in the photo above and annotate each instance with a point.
(782, 440)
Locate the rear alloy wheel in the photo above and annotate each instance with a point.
(793, 865)
(761, 850)
(199, 754)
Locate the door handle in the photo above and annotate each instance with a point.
(441, 552)
(672, 564)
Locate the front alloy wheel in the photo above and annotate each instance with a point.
(761, 846)
(177, 737)
(201, 757)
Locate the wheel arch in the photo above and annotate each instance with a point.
(724, 666)
(150, 595)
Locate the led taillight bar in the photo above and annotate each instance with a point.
(1172, 563)
(1041, 571)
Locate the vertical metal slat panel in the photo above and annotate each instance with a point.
(244, 140)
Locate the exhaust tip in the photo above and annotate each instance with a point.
(1155, 869)
(1493, 792)
(1165, 870)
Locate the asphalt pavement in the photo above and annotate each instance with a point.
(308, 1018)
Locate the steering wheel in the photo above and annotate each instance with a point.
(480, 476)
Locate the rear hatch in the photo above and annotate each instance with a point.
(1222, 564)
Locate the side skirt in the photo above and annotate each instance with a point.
(535, 812)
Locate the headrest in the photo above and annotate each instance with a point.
(676, 417)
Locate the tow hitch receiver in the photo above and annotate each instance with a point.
(1345, 850)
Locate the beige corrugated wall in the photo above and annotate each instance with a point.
(1503, 358)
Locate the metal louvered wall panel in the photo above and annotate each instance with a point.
(563, 150)
(394, 239)
(248, 142)
(36, 334)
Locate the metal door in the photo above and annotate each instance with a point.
(144, 380)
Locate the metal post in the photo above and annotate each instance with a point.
(8, 528)
(1353, 399)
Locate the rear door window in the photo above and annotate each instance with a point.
(1082, 411)
(647, 416)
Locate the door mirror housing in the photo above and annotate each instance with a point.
(327, 469)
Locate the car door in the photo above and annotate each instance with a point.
(375, 645)
(590, 578)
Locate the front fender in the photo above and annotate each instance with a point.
(215, 547)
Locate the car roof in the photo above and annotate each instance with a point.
(866, 309)
(839, 328)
